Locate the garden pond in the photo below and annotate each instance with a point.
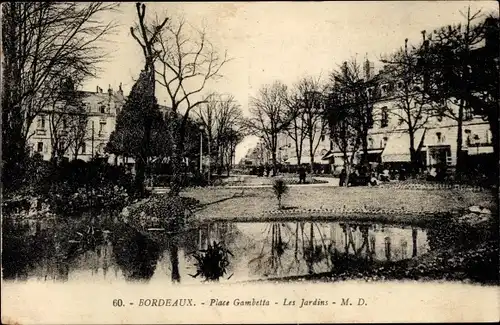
(71, 250)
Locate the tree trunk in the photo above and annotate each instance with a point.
(174, 260)
(296, 239)
(275, 166)
(459, 164)
(414, 240)
(494, 120)
(414, 159)
(298, 153)
(347, 169)
(364, 156)
(176, 181)
(311, 153)
(140, 175)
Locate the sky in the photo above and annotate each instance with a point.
(283, 41)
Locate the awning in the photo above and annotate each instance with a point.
(479, 150)
(328, 155)
(397, 148)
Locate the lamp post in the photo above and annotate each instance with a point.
(202, 128)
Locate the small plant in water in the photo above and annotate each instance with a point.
(280, 188)
(212, 263)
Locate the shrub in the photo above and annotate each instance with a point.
(212, 262)
(76, 186)
(279, 188)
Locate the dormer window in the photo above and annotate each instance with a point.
(383, 90)
(369, 92)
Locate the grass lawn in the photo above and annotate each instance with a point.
(367, 203)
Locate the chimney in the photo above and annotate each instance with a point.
(120, 90)
(368, 69)
(110, 90)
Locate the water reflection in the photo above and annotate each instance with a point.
(65, 251)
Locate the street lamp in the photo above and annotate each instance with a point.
(202, 128)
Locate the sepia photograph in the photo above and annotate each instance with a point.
(250, 162)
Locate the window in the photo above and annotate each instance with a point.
(468, 113)
(385, 117)
(39, 147)
(102, 108)
(370, 143)
(399, 85)
(101, 128)
(322, 137)
(467, 138)
(41, 122)
(83, 147)
(438, 137)
(385, 141)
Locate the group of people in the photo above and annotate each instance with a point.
(261, 170)
(365, 175)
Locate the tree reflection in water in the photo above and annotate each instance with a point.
(47, 252)
(269, 259)
(135, 253)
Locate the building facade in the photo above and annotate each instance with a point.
(100, 108)
(389, 141)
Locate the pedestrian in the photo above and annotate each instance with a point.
(302, 175)
(342, 177)
(268, 170)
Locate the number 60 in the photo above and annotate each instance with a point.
(117, 303)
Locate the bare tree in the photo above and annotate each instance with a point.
(67, 119)
(148, 37)
(187, 61)
(221, 116)
(344, 128)
(229, 117)
(78, 132)
(361, 91)
(41, 42)
(446, 60)
(412, 107)
(207, 115)
(229, 142)
(270, 116)
(311, 95)
(296, 130)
